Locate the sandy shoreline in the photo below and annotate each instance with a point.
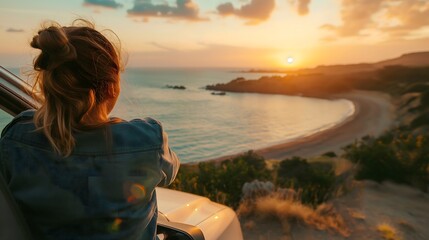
(374, 113)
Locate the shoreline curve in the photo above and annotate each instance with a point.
(374, 114)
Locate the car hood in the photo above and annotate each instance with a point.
(185, 207)
(215, 220)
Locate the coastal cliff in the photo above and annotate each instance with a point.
(307, 85)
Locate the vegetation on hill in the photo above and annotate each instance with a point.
(394, 156)
(223, 182)
(401, 154)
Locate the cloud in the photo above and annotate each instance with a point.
(103, 3)
(160, 46)
(14, 30)
(184, 9)
(356, 16)
(226, 9)
(301, 6)
(394, 17)
(255, 12)
(410, 15)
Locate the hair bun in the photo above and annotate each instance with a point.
(56, 48)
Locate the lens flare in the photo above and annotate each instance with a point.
(137, 192)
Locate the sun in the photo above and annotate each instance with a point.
(287, 61)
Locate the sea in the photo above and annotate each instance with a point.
(202, 126)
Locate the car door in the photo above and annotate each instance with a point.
(13, 99)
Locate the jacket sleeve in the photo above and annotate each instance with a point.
(168, 160)
(4, 172)
(23, 116)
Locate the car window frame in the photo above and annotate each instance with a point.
(15, 94)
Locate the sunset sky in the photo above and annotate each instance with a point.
(230, 33)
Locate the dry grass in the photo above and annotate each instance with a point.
(356, 215)
(388, 232)
(287, 211)
(407, 227)
(249, 225)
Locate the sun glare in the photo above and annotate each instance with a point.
(287, 61)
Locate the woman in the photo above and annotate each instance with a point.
(75, 172)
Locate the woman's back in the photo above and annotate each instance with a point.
(105, 189)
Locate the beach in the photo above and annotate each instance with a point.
(374, 114)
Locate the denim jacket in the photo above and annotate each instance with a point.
(104, 190)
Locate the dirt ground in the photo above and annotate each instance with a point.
(369, 211)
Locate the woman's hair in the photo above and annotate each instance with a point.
(73, 72)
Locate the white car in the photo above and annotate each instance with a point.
(182, 215)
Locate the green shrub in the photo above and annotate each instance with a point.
(330, 154)
(222, 182)
(395, 156)
(314, 181)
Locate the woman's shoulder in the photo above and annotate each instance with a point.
(25, 117)
(147, 121)
(140, 129)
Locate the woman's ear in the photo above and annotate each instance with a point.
(112, 91)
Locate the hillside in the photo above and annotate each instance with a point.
(417, 59)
